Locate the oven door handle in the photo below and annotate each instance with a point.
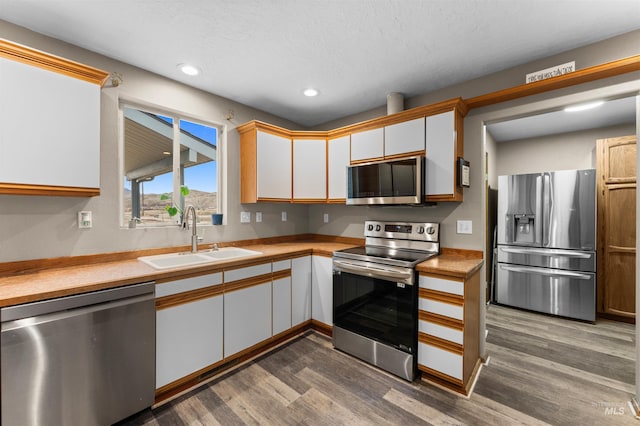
(375, 271)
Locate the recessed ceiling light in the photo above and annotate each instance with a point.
(583, 107)
(166, 153)
(188, 69)
(310, 92)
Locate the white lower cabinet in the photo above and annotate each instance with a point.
(322, 290)
(441, 331)
(199, 325)
(441, 308)
(300, 290)
(281, 305)
(188, 335)
(247, 317)
(448, 339)
(441, 360)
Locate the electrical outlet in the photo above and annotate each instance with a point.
(325, 218)
(258, 217)
(464, 227)
(284, 216)
(245, 217)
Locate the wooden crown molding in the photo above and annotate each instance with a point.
(374, 123)
(586, 75)
(37, 58)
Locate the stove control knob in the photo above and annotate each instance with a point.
(378, 228)
(370, 228)
(420, 229)
(431, 230)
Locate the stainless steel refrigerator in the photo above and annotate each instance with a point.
(546, 243)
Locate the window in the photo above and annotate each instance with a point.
(164, 152)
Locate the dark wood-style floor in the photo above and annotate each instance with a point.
(541, 370)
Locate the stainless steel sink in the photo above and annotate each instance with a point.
(175, 260)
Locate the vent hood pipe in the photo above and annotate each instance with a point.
(395, 103)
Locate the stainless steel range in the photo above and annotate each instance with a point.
(375, 294)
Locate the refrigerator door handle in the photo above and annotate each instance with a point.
(545, 253)
(540, 206)
(548, 272)
(547, 202)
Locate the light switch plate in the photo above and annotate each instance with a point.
(258, 216)
(284, 216)
(245, 217)
(84, 220)
(325, 218)
(464, 227)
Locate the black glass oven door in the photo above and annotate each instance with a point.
(381, 310)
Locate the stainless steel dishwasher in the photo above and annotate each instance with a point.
(87, 359)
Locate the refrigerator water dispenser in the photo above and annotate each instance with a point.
(524, 228)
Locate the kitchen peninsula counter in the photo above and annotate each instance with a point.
(454, 263)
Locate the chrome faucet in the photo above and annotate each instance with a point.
(185, 224)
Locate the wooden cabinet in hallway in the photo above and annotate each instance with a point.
(617, 226)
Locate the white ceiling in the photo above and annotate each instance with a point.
(264, 53)
(611, 113)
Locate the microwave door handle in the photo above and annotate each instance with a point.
(548, 272)
(373, 272)
(545, 253)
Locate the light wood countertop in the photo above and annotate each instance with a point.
(63, 281)
(453, 263)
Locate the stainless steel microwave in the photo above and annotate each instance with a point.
(399, 181)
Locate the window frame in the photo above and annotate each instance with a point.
(176, 116)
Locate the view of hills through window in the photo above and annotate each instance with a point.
(148, 162)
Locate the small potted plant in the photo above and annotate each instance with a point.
(172, 209)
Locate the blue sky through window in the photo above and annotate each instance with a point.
(202, 177)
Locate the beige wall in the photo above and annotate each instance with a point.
(42, 227)
(473, 207)
(45, 227)
(567, 151)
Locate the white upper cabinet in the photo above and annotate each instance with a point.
(310, 169)
(442, 150)
(273, 166)
(403, 138)
(367, 145)
(49, 131)
(318, 176)
(338, 157)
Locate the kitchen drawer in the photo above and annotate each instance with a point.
(248, 272)
(188, 284)
(281, 265)
(441, 331)
(442, 308)
(439, 284)
(440, 360)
